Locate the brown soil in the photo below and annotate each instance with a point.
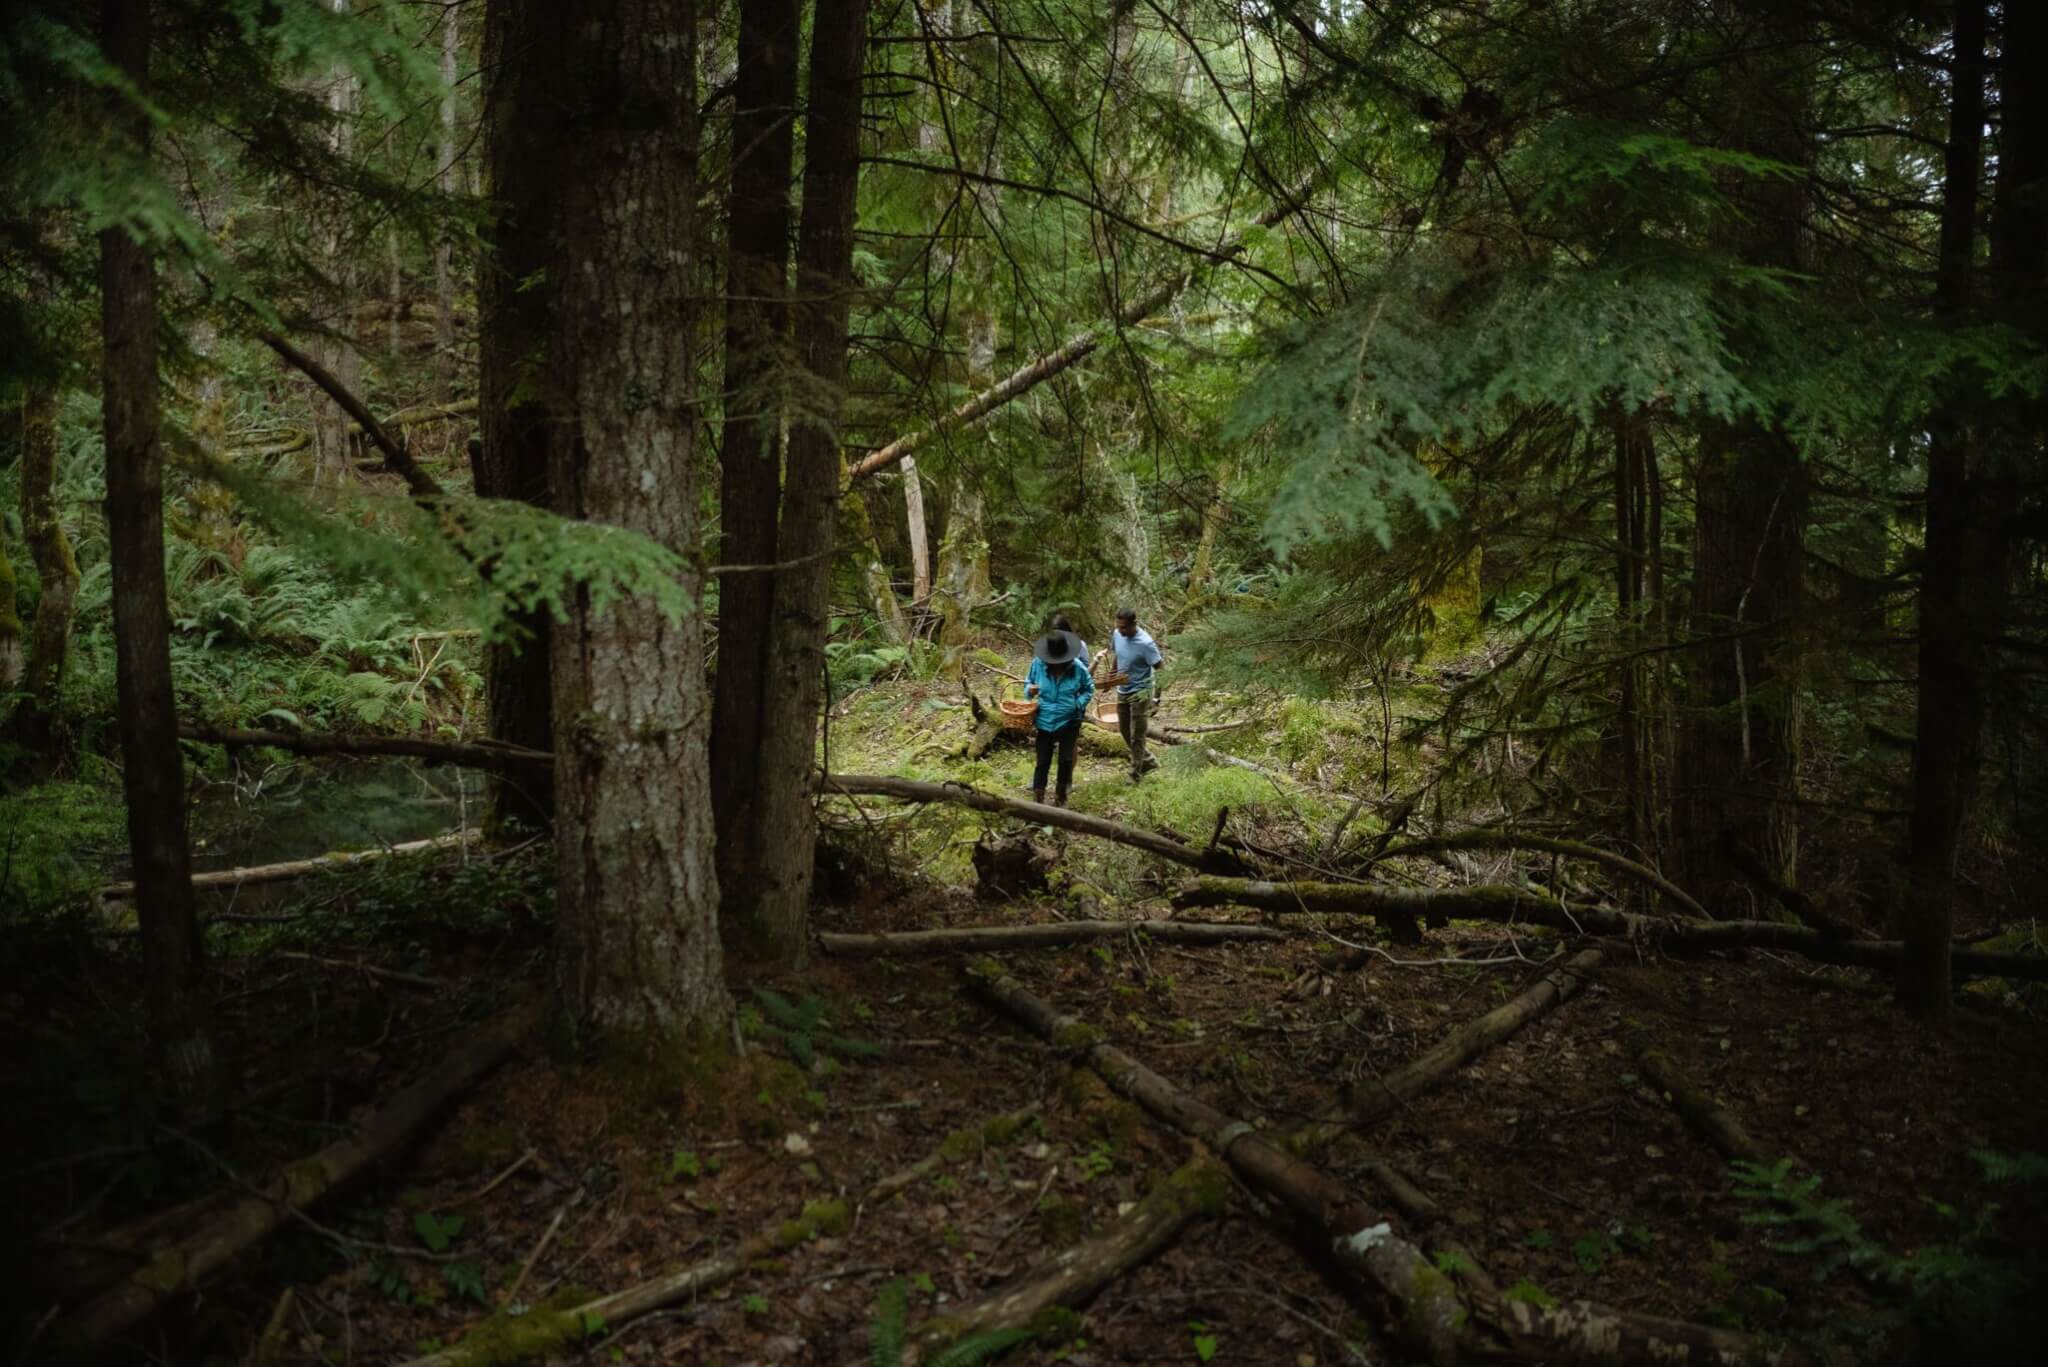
(1553, 1165)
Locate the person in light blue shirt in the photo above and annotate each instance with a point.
(1137, 655)
(1062, 685)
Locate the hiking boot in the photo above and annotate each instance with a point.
(1059, 799)
(1038, 795)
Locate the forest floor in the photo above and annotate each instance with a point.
(1556, 1164)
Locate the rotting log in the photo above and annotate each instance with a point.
(1038, 813)
(174, 1270)
(1469, 1040)
(1051, 934)
(1074, 1276)
(1497, 902)
(470, 754)
(502, 1342)
(1702, 1114)
(1486, 838)
(298, 868)
(1439, 1319)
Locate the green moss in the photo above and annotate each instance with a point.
(1200, 1186)
(817, 1219)
(1076, 1037)
(165, 1273)
(1056, 1324)
(970, 1142)
(304, 1181)
(486, 1147)
(543, 1331)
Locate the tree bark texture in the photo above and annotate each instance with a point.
(152, 771)
(1439, 1320)
(1705, 1116)
(444, 181)
(810, 501)
(920, 541)
(234, 1225)
(1949, 726)
(638, 899)
(332, 347)
(750, 468)
(1739, 743)
(524, 133)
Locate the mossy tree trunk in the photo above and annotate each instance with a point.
(152, 771)
(750, 479)
(524, 134)
(444, 181)
(638, 902)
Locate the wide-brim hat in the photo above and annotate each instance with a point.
(1057, 647)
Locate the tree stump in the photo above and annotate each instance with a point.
(1012, 866)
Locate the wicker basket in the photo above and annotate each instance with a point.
(1018, 713)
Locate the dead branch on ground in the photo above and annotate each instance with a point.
(954, 939)
(1438, 1318)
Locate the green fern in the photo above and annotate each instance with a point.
(885, 1334)
(982, 1347)
(802, 1027)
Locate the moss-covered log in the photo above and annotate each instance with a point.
(1438, 1319)
(299, 868)
(505, 1340)
(988, 939)
(917, 790)
(1495, 902)
(1489, 839)
(1072, 1278)
(176, 1269)
(470, 754)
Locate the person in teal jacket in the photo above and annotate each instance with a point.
(1063, 687)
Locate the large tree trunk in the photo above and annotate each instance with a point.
(444, 181)
(1950, 691)
(920, 540)
(638, 902)
(524, 134)
(749, 489)
(1739, 743)
(152, 770)
(796, 643)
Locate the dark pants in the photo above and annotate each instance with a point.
(1134, 720)
(1064, 738)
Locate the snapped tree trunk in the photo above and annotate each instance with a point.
(152, 770)
(638, 900)
(750, 468)
(524, 131)
(1948, 732)
(920, 545)
(796, 641)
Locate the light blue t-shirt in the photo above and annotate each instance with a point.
(1136, 657)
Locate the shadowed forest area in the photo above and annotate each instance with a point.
(1087, 681)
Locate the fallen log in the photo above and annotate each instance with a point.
(1437, 1319)
(1485, 838)
(1497, 902)
(422, 484)
(298, 868)
(1051, 934)
(1702, 1114)
(483, 754)
(1075, 1276)
(960, 794)
(176, 1269)
(1468, 1041)
(503, 1342)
